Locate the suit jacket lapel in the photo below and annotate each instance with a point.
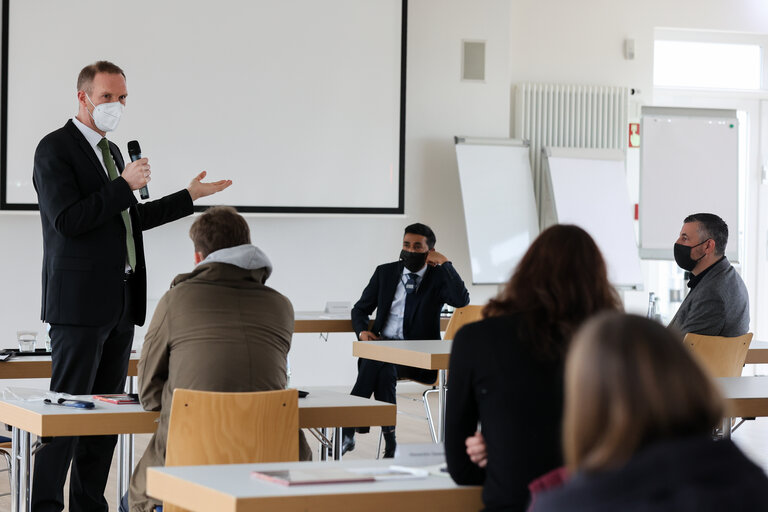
(87, 150)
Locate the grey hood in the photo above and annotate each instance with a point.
(245, 256)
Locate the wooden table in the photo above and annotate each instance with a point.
(758, 353)
(39, 367)
(429, 354)
(318, 321)
(746, 397)
(322, 408)
(231, 488)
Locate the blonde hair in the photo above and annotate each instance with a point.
(629, 382)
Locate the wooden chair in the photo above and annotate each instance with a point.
(5, 452)
(460, 318)
(232, 428)
(720, 356)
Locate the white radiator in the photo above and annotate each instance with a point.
(570, 116)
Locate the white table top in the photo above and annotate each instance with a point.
(744, 387)
(230, 487)
(745, 396)
(428, 354)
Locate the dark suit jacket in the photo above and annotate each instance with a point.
(440, 285)
(84, 250)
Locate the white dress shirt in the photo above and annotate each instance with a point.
(393, 330)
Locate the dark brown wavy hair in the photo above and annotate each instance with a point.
(560, 282)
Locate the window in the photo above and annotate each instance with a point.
(707, 65)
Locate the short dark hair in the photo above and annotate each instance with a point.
(711, 226)
(422, 230)
(85, 78)
(219, 227)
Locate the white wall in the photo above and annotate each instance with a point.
(322, 258)
(546, 45)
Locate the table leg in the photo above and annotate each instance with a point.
(323, 448)
(441, 375)
(337, 440)
(726, 428)
(25, 501)
(120, 467)
(15, 474)
(125, 455)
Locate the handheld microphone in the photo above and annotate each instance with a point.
(134, 151)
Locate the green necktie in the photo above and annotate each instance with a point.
(109, 162)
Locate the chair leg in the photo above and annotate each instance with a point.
(8, 461)
(378, 449)
(428, 410)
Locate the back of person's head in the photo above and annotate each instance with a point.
(629, 382)
(560, 282)
(422, 230)
(85, 78)
(711, 226)
(219, 227)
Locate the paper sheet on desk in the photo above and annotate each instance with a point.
(392, 472)
(32, 394)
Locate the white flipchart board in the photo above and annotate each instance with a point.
(689, 163)
(499, 205)
(588, 188)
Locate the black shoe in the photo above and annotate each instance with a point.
(390, 444)
(347, 444)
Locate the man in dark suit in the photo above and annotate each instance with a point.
(718, 303)
(94, 275)
(408, 296)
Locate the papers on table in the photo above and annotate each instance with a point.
(336, 475)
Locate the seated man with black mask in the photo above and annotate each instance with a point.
(408, 296)
(718, 303)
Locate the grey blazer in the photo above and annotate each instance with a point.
(717, 306)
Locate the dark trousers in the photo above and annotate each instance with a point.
(380, 380)
(87, 360)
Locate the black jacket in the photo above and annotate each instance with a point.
(685, 475)
(84, 249)
(440, 285)
(517, 397)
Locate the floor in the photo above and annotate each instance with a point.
(752, 438)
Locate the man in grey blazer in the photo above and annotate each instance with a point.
(717, 304)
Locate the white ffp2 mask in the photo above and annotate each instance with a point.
(106, 116)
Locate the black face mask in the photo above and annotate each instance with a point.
(414, 261)
(683, 256)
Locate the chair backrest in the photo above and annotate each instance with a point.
(721, 356)
(460, 317)
(232, 428)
